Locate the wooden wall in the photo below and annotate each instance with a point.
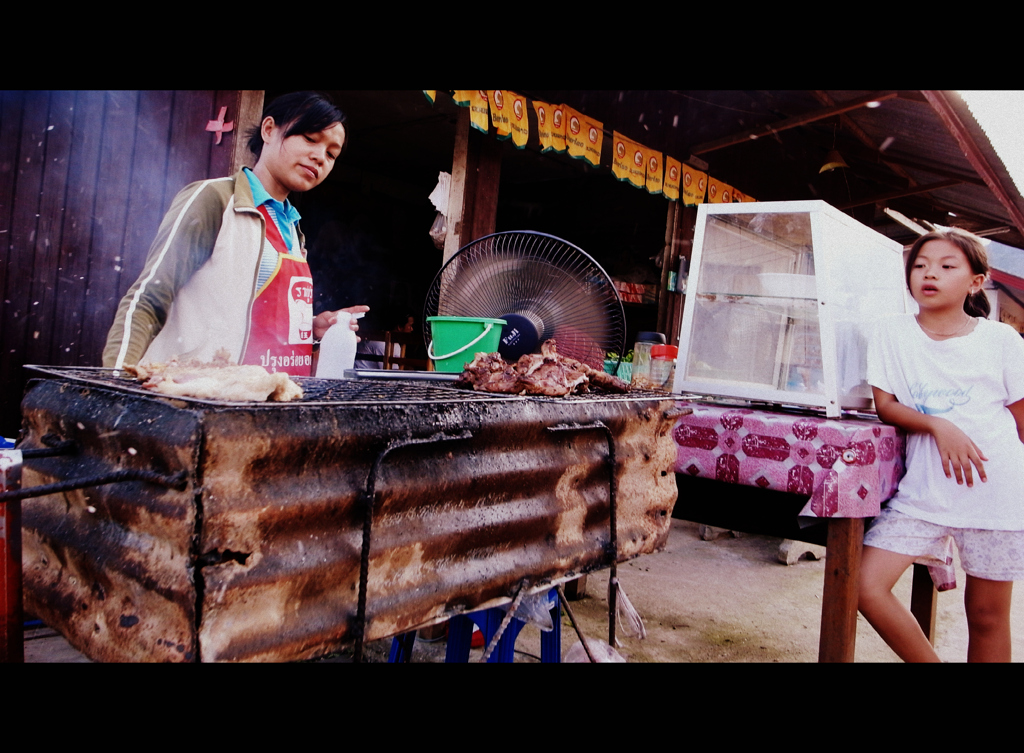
(85, 178)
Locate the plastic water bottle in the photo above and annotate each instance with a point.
(338, 348)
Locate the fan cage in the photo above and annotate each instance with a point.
(553, 283)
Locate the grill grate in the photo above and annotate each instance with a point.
(350, 391)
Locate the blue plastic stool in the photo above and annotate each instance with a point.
(460, 636)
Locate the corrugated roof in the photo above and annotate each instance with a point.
(919, 153)
(901, 154)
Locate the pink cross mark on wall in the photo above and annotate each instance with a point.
(218, 126)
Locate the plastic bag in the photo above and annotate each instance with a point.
(603, 653)
(439, 230)
(535, 609)
(630, 621)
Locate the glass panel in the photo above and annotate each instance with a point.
(866, 282)
(755, 318)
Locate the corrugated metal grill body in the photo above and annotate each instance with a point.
(258, 559)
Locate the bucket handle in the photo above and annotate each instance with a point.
(481, 336)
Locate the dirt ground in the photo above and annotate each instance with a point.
(726, 600)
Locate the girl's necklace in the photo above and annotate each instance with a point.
(940, 334)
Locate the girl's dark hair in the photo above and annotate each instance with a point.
(302, 112)
(977, 303)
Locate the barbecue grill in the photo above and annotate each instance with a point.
(285, 531)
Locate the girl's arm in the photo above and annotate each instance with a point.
(1017, 409)
(956, 449)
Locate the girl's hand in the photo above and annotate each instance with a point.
(325, 319)
(957, 451)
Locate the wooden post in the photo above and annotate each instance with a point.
(488, 177)
(12, 646)
(682, 247)
(457, 189)
(668, 262)
(248, 112)
(923, 601)
(473, 195)
(838, 638)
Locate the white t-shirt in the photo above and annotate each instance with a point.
(968, 380)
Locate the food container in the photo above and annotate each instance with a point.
(663, 366)
(781, 300)
(641, 377)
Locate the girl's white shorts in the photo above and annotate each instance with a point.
(989, 555)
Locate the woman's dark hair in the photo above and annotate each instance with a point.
(976, 304)
(302, 112)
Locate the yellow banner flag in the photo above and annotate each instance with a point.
(622, 155)
(628, 160)
(695, 184)
(655, 171)
(575, 133)
(519, 120)
(583, 136)
(594, 131)
(476, 101)
(430, 94)
(719, 192)
(673, 175)
(499, 113)
(558, 128)
(543, 110)
(478, 110)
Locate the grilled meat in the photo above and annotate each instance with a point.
(545, 373)
(216, 380)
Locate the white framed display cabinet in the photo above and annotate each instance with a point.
(781, 299)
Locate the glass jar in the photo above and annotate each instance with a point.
(663, 366)
(642, 359)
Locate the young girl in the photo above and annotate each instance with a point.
(228, 270)
(954, 380)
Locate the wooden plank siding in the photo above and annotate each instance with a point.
(85, 178)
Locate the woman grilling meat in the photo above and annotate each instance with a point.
(228, 267)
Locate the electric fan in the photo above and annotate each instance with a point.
(542, 286)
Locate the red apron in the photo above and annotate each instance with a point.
(281, 321)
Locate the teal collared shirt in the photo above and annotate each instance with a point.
(285, 215)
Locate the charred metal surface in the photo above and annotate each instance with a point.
(273, 505)
(109, 566)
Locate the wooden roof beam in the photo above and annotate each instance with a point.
(881, 198)
(795, 121)
(848, 125)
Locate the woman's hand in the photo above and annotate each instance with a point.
(957, 451)
(325, 319)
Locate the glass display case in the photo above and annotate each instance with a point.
(781, 299)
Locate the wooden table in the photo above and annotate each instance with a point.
(845, 468)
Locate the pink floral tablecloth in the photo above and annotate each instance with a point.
(846, 467)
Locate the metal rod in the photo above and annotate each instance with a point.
(366, 499)
(613, 544)
(575, 625)
(177, 481)
(505, 622)
(63, 447)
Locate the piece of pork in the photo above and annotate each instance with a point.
(217, 380)
(546, 373)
